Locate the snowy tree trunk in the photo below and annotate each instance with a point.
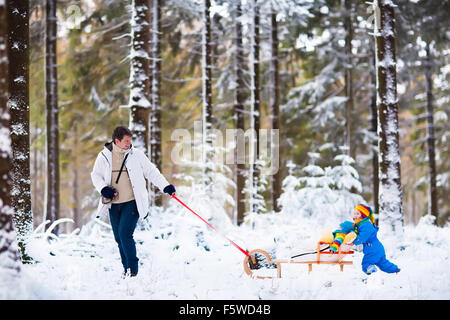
(239, 109)
(18, 55)
(51, 91)
(254, 105)
(374, 129)
(432, 190)
(206, 90)
(9, 255)
(155, 115)
(275, 105)
(348, 77)
(391, 207)
(139, 103)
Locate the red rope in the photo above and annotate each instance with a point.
(234, 244)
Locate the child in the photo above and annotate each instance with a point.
(345, 233)
(374, 254)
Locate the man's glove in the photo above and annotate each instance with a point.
(108, 192)
(170, 189)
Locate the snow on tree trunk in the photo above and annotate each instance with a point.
(391, 207)
(155, 114)
(51, 91)
(275, 105)
(9, 256)
(18, 55)
(254, 105)
(139, 103)
(239, 109)
(207, 116)
(432, 189)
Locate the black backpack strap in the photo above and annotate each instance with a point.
(121, 168)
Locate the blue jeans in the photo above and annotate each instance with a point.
(124, 217)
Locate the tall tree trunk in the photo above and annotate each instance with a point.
(432, 190)
(275, 105)
(139, 102)
(75, 184)
(35, 178)
(348, 77)
(51, 91)
(255, 106)
(9, 256)
(19, 101)
(206, 90)
(391, 207)
(155, 119)
(239, 118)
(374, 130)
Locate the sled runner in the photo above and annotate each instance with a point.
(258, 259)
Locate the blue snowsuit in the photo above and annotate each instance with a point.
(373, 250)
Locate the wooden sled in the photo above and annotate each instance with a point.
(320, 258)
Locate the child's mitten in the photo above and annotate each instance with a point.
(350, 237)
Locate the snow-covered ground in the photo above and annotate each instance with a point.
(182, 258)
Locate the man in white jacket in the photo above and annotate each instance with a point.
(119, 174)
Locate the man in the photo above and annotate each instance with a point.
(119, 174)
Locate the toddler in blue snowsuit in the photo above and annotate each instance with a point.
(374, 254)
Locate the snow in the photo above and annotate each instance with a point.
(182, 258)
(5, 142)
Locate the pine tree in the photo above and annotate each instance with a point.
(391, 207)
(432, 189)
(321, 96)
(9, 256)
(348, 26)
(139, 103)
(51, 91)
(255, 112)
(423, 36)
(275, 103)
(207, 111)
(92, 79)
(19, 105)
(155, 114)
(239, 109)
(374, 129)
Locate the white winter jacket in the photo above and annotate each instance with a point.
(139, 168)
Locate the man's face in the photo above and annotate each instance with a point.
(125, 143)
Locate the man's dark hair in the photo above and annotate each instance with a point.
(120, 132)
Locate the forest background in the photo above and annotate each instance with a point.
(315, 57)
